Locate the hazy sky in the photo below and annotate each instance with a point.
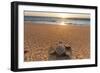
(61, 15)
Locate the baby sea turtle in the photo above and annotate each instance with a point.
(60, 51)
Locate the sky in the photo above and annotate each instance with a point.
(61, 15)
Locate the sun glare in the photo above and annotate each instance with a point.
(62, 15)
(62, 23)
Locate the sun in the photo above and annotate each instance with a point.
(62, 23)
(62, 15)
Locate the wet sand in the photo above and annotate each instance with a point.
(39, 37)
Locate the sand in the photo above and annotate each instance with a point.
(39, 37)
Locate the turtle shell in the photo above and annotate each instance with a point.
(60, 50)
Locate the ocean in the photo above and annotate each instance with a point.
(56, 20)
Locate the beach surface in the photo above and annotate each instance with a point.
(39, 37)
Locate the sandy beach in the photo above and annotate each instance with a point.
(39, 37)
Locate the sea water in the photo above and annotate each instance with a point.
(56, 20)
